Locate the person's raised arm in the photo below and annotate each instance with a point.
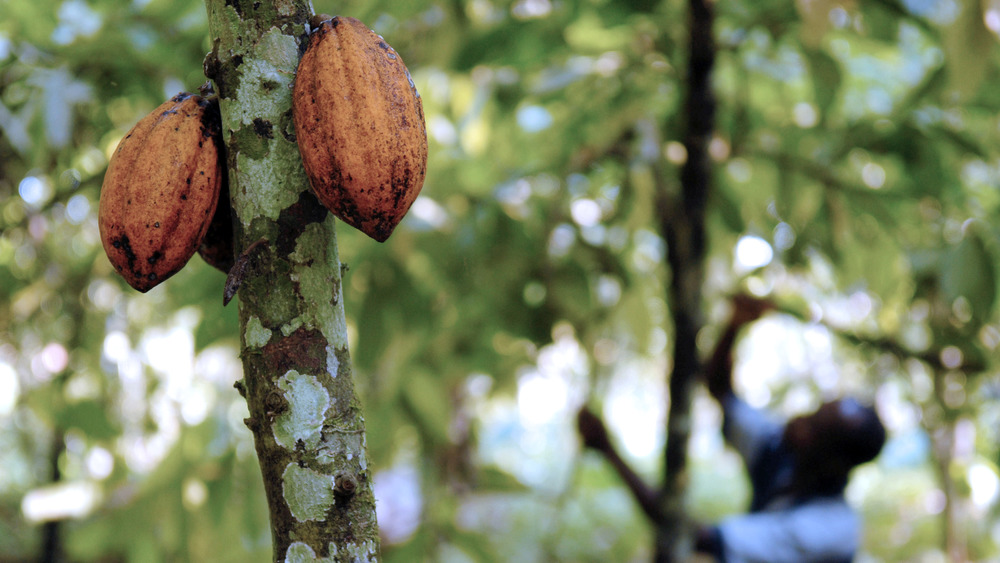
(595, 436)
(719, 368)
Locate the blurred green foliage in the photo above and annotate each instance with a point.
(859, 140)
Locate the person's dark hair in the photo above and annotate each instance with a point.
(867, 432)
(848, 436)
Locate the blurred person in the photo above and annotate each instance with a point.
(798, 469)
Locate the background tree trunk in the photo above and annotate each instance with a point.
(304, 413)
(682, 225)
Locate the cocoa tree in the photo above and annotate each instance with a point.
(304, 413)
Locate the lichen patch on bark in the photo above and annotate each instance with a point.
(343, 447)
(299, 552)
(303, 422)
(256, 336)
(271, 70)
(320, 289)
(362, 552)
(271, 194)
(263, 88)
(291, 326)
(308, 494)
(332, 361)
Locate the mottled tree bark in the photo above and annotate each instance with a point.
(304, 414)
(682, 224)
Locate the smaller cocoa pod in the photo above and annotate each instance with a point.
(359, 123)
(161, 190)
(217, 247)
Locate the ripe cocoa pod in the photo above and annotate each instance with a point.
(161, 189)
(359, 123)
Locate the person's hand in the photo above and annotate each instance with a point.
(747, 308)
(592, 431)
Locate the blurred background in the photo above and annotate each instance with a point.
(857, 165)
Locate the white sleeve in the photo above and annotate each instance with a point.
(821, 530)
(748, 429)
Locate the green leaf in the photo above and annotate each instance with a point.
(966, 45)
(494, 479)
(428, 402)
(90, 417)
(478, 545)
(967, 272)
(826, 78)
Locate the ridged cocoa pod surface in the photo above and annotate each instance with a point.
(161, 190)
(359, 123)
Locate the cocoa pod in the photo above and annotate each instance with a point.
(359, 124)
(216, 248)
(161, 190)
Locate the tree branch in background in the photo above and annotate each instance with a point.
(52, 543)
(595, 437)
(933, 358)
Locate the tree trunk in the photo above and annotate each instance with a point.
(682, 224)
(304, 414)
(943, 443)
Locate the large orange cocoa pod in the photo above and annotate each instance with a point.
(360, 126)
(161, 190)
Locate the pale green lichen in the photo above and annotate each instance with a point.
(285, 7)
(319, 287)
(308, 493)
(270, 192)
(264, 90)
(256, 336)
(270, 70)
(363, 552)
(343, 443)
(308, 402)
(299, 552)
(332, 361)
(291, 326)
